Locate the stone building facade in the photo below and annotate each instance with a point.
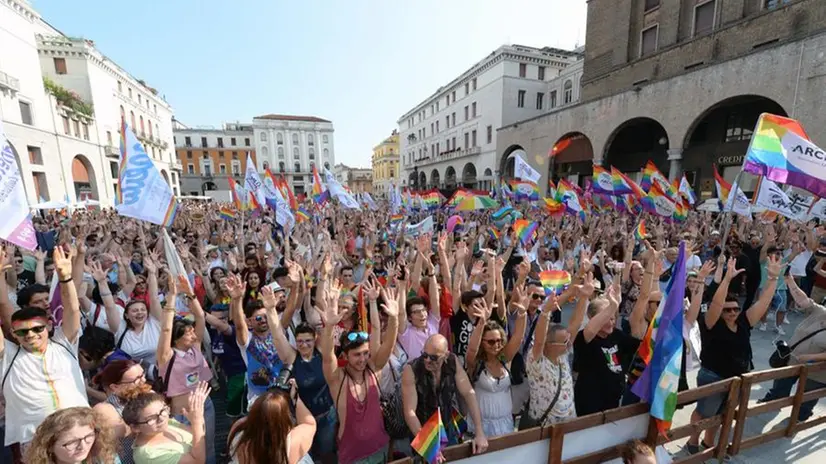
(688, 101)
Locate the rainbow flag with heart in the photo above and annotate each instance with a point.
(554, 281)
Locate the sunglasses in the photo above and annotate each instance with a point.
(732, 310)
(260, 318)
(353, 336)
(537, 296)
(431, 357)
(23, 332)
(494, 342)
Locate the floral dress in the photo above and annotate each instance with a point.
(544, 378)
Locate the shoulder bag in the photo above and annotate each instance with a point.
(528, 422)
(783, 352)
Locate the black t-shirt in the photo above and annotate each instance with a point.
(24, 279)
(726, 353)
(601, 377)
(461, 327)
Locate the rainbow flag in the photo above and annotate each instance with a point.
(226, 213)
(603, 182)
(651, 175)
(301, 214)
(781, 151)
(501, 213)
(458, 196)
(554, 206)
(525, 230)
(430, 440)
(554, 281)
(318, 188)
(658, 202)
(640, 233)
(494, 233)
(459, 422)
(623, 185)
(524, 190)
(431, 199)
(662, 350)
(239, 195)
(396, 219)
(723, 187)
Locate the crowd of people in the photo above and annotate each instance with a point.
(338, 340)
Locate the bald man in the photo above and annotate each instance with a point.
(431, 381)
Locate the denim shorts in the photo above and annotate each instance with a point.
(779, 302)
(709, 406)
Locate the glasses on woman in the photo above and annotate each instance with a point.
(156, 419)
(134, 381)
(77, 444)
(494, 341)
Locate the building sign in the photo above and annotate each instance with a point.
(730, 160)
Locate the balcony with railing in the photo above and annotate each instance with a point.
(112, 151)
(447, 155)
(9, 83)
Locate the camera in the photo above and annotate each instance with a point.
(282, 382)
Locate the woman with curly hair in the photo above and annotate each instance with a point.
(72, 436)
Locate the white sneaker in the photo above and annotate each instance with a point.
(763, 327)
(786, 321)
(780, 331)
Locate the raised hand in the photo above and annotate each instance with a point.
(235, 286)
(707, 269)
(97, 271)
(268, 297)
(773, 268)
(732, 271)
(39, 255)
(442, 243)
(63, 262)
(371, 289)
(588, 287)
(614, 294)
(294, 272)
(391, 301)
(184, 286)
(195, 409)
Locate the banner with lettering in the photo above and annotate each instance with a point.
(424, 227)
(523, 170)
(16, 225)
(142, 193)
(773, 198)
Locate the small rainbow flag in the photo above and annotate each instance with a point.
(624, 185)
(494, 233)
(525, 190)
(502, 212)
(723, 187)
(396, 219)
(431, 438)
(459, 421)
(640, 233)
(301, 215)
(525, 229)
(554, 281)
(226, 213)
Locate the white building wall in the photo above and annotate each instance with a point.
(295, 146)
(496, 94)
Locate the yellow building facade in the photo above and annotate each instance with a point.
(386, 164)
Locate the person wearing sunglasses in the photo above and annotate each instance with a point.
(40, 374)
(726, 337)
(159, 438)
(365, 440)
(434, 381)
(308, 372)
(72, 436)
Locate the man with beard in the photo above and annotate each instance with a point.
(40, 374)
(356, 385)
(432, 382)
(252, 333)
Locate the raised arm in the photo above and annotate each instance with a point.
(151, 266)
(478, 313)
(391, 308)
(583, 293)
(716, 306)
(68, 293)
(637, 317)
(164, 350)
(282, 345)
(40, 269)
(773, 269)
(696, 299)
(236, 289)
(601, 318)
(541, 333)
(331, 317)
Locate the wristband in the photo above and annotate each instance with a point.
(65, 281)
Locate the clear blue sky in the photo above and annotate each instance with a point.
(358, 63)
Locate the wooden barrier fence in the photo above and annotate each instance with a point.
(735, 412)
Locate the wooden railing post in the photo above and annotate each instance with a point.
(555, 445)
(742, 409)
(798, 399)
(728, 415)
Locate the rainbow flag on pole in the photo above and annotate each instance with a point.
(431, 439)
(624, 185)
(662, 350)
(640, 233)
(226, 213)
(781, 151)
(525, 230)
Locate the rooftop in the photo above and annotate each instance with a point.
(288, 117)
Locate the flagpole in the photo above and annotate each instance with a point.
(727, 222)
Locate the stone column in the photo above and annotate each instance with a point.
(675, 157)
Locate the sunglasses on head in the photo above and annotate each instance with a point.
(36, 329)
(353, 336)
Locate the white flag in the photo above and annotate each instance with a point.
(773, 198)
(523, 170)
(741, 205)
(818, 210)
(424, 227)
(338, 191)
(253, 183)
(16, 225)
